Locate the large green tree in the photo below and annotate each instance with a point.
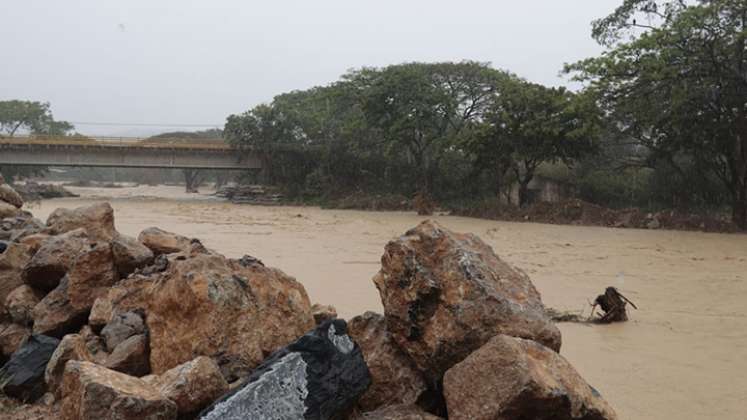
(33, 117)
(674, 80)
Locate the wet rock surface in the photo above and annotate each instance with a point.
(93, 392)
(445, 294)
(511, 378)
(394, 377)
(53, 260)
(319, 376)
(162, 242)
(24, 373)
(192, 385)
(97, 220)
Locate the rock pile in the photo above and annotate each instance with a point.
(160, 327)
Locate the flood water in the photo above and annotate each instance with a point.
(683, 355)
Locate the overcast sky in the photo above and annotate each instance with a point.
(196, 62)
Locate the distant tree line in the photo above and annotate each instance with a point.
(661, 121)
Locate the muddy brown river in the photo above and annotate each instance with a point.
(683, 355)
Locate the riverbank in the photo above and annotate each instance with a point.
(669, 361)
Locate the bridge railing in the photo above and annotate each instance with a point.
(157, 142)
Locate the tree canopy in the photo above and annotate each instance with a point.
(33, 117)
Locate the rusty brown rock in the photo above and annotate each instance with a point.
(445, 294)
(34, 241)
(53, 260)
(207, 305)
(10, 196)
(12, 262)
(91, 275)
(55, 316)
(12, 336)
(398, 412)
(96, 219)
(192, 385)
(512, 378)
(71, 347)
(323, 313)
(129, 255)
(20, 303)
(163, 242)
(130, 356)
(394, 378)
(92, 392)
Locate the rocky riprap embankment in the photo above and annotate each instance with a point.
(95, 324)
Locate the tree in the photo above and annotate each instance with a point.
(34, 117)
(530, 124)
(420, 108)
(678, 85)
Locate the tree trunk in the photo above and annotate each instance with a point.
(191, 180)
(524, 192)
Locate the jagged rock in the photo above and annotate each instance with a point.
(96, 219)
(10, 196)
(192, 385)
(12, 261)
(319, 376)
(94, 344)
(163, 242)
(130, 356)
(20, 303)
(398, 412)
(24, 372)
(129, 255)
(323, 313)
(92, 392)
(446, 294)
(91, 275)
(71, 347)
(8, 210)
(513, 378)
(12, 336)
(53, 260)
(55, 315)
(207, 305)
(122, 327)
(394, 378)
(34, 241)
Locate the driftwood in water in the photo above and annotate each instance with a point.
(613, 304)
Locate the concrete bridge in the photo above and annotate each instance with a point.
(124, 153)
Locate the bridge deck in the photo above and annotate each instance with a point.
(124, 152)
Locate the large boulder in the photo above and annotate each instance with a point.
(203, 304)
(18, 227)
(91, 275)
(163, 242)
(53, 259)
(394, 378)
(71, 347)
(12, 337)
(513, 378)
(130, 356)
(320, 376)
(192, 385)
(12, 261)
(96, 219)
(34, 241)
(10, 196)
(23, 374)
(398, 412)
(55, 315)
(446, 294)
(20, 303)
(93, 392)
(129, 255)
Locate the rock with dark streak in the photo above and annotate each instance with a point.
(318, 377)
(23, 374)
